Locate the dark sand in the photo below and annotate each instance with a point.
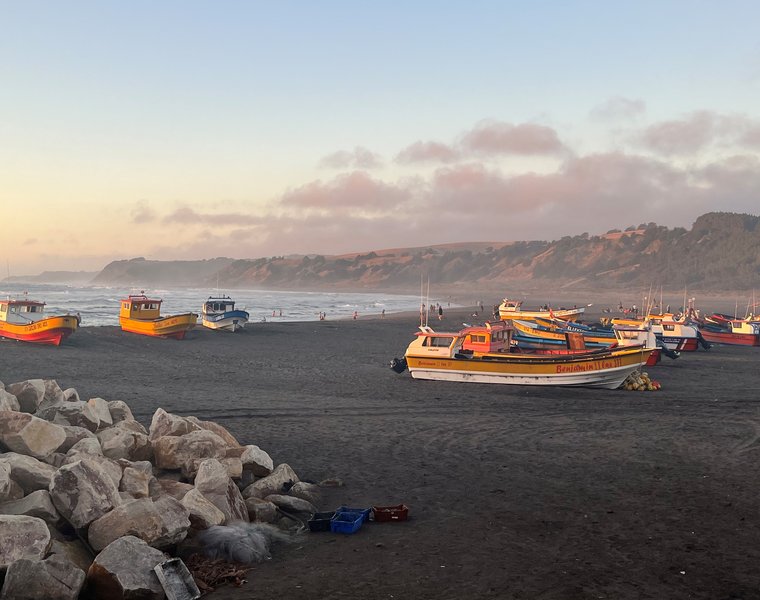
(515, 492)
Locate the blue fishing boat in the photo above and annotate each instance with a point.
(219, 312)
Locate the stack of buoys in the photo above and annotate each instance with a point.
(640, 382)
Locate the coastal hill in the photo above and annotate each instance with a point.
(720, 252)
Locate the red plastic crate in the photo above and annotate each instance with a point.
(390, 513)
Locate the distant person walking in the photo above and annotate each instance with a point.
(382, 314)
(356, 314)
(440, 313)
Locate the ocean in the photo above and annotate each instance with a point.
(100, 305)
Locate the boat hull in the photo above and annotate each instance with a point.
(52, 330)
(172, 326)
(679, 344)
(730, 338)
(599, 372)
(230, 321)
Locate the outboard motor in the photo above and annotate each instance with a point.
(702, 341)
(398, 365)
(673, 354)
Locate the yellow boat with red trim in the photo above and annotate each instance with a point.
(140, 314)
(25, 320)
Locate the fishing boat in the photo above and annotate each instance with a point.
(484, 354)
(734, 332)
(674, 335)
(512, 309)
(140, 314)
(25, 320)
(219, 312)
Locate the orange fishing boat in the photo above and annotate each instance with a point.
(25, 320)
(140, 314)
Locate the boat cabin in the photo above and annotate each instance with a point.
(140, 307)
(511, 305)
(217, 306)
(491, 337)
(21, 311)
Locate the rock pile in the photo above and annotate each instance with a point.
(91, 502)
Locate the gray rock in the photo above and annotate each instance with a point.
(53, 394)
(77, 413)
(183, 452)
(30, 473)
(164, 423)
(175, 521)
(124, 571)
(71, 395)
(101, 410)
(121, 442)
(37, 504)
(261, 511)
(110, 467)
(6, 486)
(291, 504)
(257, 461)
(73, 435)
(54, 578)
(203, 514)
(283, 475)
(213, 482)
(136, 479)
(88, 445)
(28, 393)
(217, 429)
(83, 492)
(306, 491)
(26, 434)
(22, 537)
(119, 411)
(74, 551)
(9, 402)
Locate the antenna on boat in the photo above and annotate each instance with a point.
(428, 302)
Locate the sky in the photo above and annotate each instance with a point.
(184, 130)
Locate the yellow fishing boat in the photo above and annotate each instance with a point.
(25, 320)
(140, 314)
(484, 355)
(512, 309)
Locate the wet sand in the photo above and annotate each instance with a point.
(515, 492)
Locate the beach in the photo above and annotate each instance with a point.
(514, 492)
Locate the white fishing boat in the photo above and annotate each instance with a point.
(219, 312)
(484, 355)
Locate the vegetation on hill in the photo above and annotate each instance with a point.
(721, 251)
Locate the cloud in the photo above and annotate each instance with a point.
(700, 131)
(427, 152)
(189, 216)
(618, 108)
(496, 137)
(358, 158)
(347, 191)
(30, 241)
(142, 213)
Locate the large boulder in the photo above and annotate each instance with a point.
(256, 461)
(213, 482)
(203, 514)
(31, 474)
(22, 537)
(83, 492)
(160, 524)
(183, 452)
(6, 483)
(37, 504)
(281, 479)
(73, 435)
(291, 504)
(53, 394)
(72, 550)
(136, 478)
(9, 402)
(169, 487)
(110, 467)
(261, 511)
(217, 429)
(164, 423)
(124, 570)
(77, 413)
(101, 410)
(306, 491)
(27, 434)
(54, 578)
(119, 411)
(71, 395)
(122, 442)
(28, 393)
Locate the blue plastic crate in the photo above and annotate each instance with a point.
(364, 511)
(346, 522)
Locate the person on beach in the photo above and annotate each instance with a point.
(440, 313)
(356, 314)
(382, 314)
